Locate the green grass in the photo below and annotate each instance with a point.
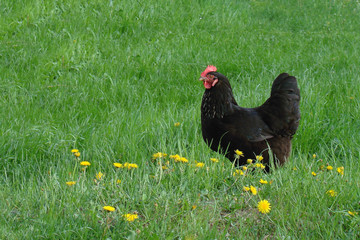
(111, 78)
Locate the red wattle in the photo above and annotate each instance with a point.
(207, 85)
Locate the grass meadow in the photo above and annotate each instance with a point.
(112, 79)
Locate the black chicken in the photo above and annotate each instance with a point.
(227, 127)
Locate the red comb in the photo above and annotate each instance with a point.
(209, 68)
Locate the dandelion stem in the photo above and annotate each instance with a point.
(107, 227)
(75, 168)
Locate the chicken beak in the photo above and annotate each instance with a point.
(202, 78)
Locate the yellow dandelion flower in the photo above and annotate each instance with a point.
(352, 213)
(118, 181)
(130, 165)
(249, 161)
(74, 150)
(181, 159)
(253, 190)
(239, 153)
(260, 165)
(314, 155)
(294, 168)
(159, 155)
(259, 158)
(118, 165)
(175, 157)
(99, 175)
(176, 124)
(244, 168)
(70, 183)
(109, 208)
(313, 173)
(263, 181)
(246, 189)
(130, 217)
(331, 193)
(134, 165)
(214, 159)
(85, 163)
(77, 154)
(164, 167)
(193, 207)
(329, 168)
(264, 206)
(238, 172)
(200, 165)
(340, 170)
